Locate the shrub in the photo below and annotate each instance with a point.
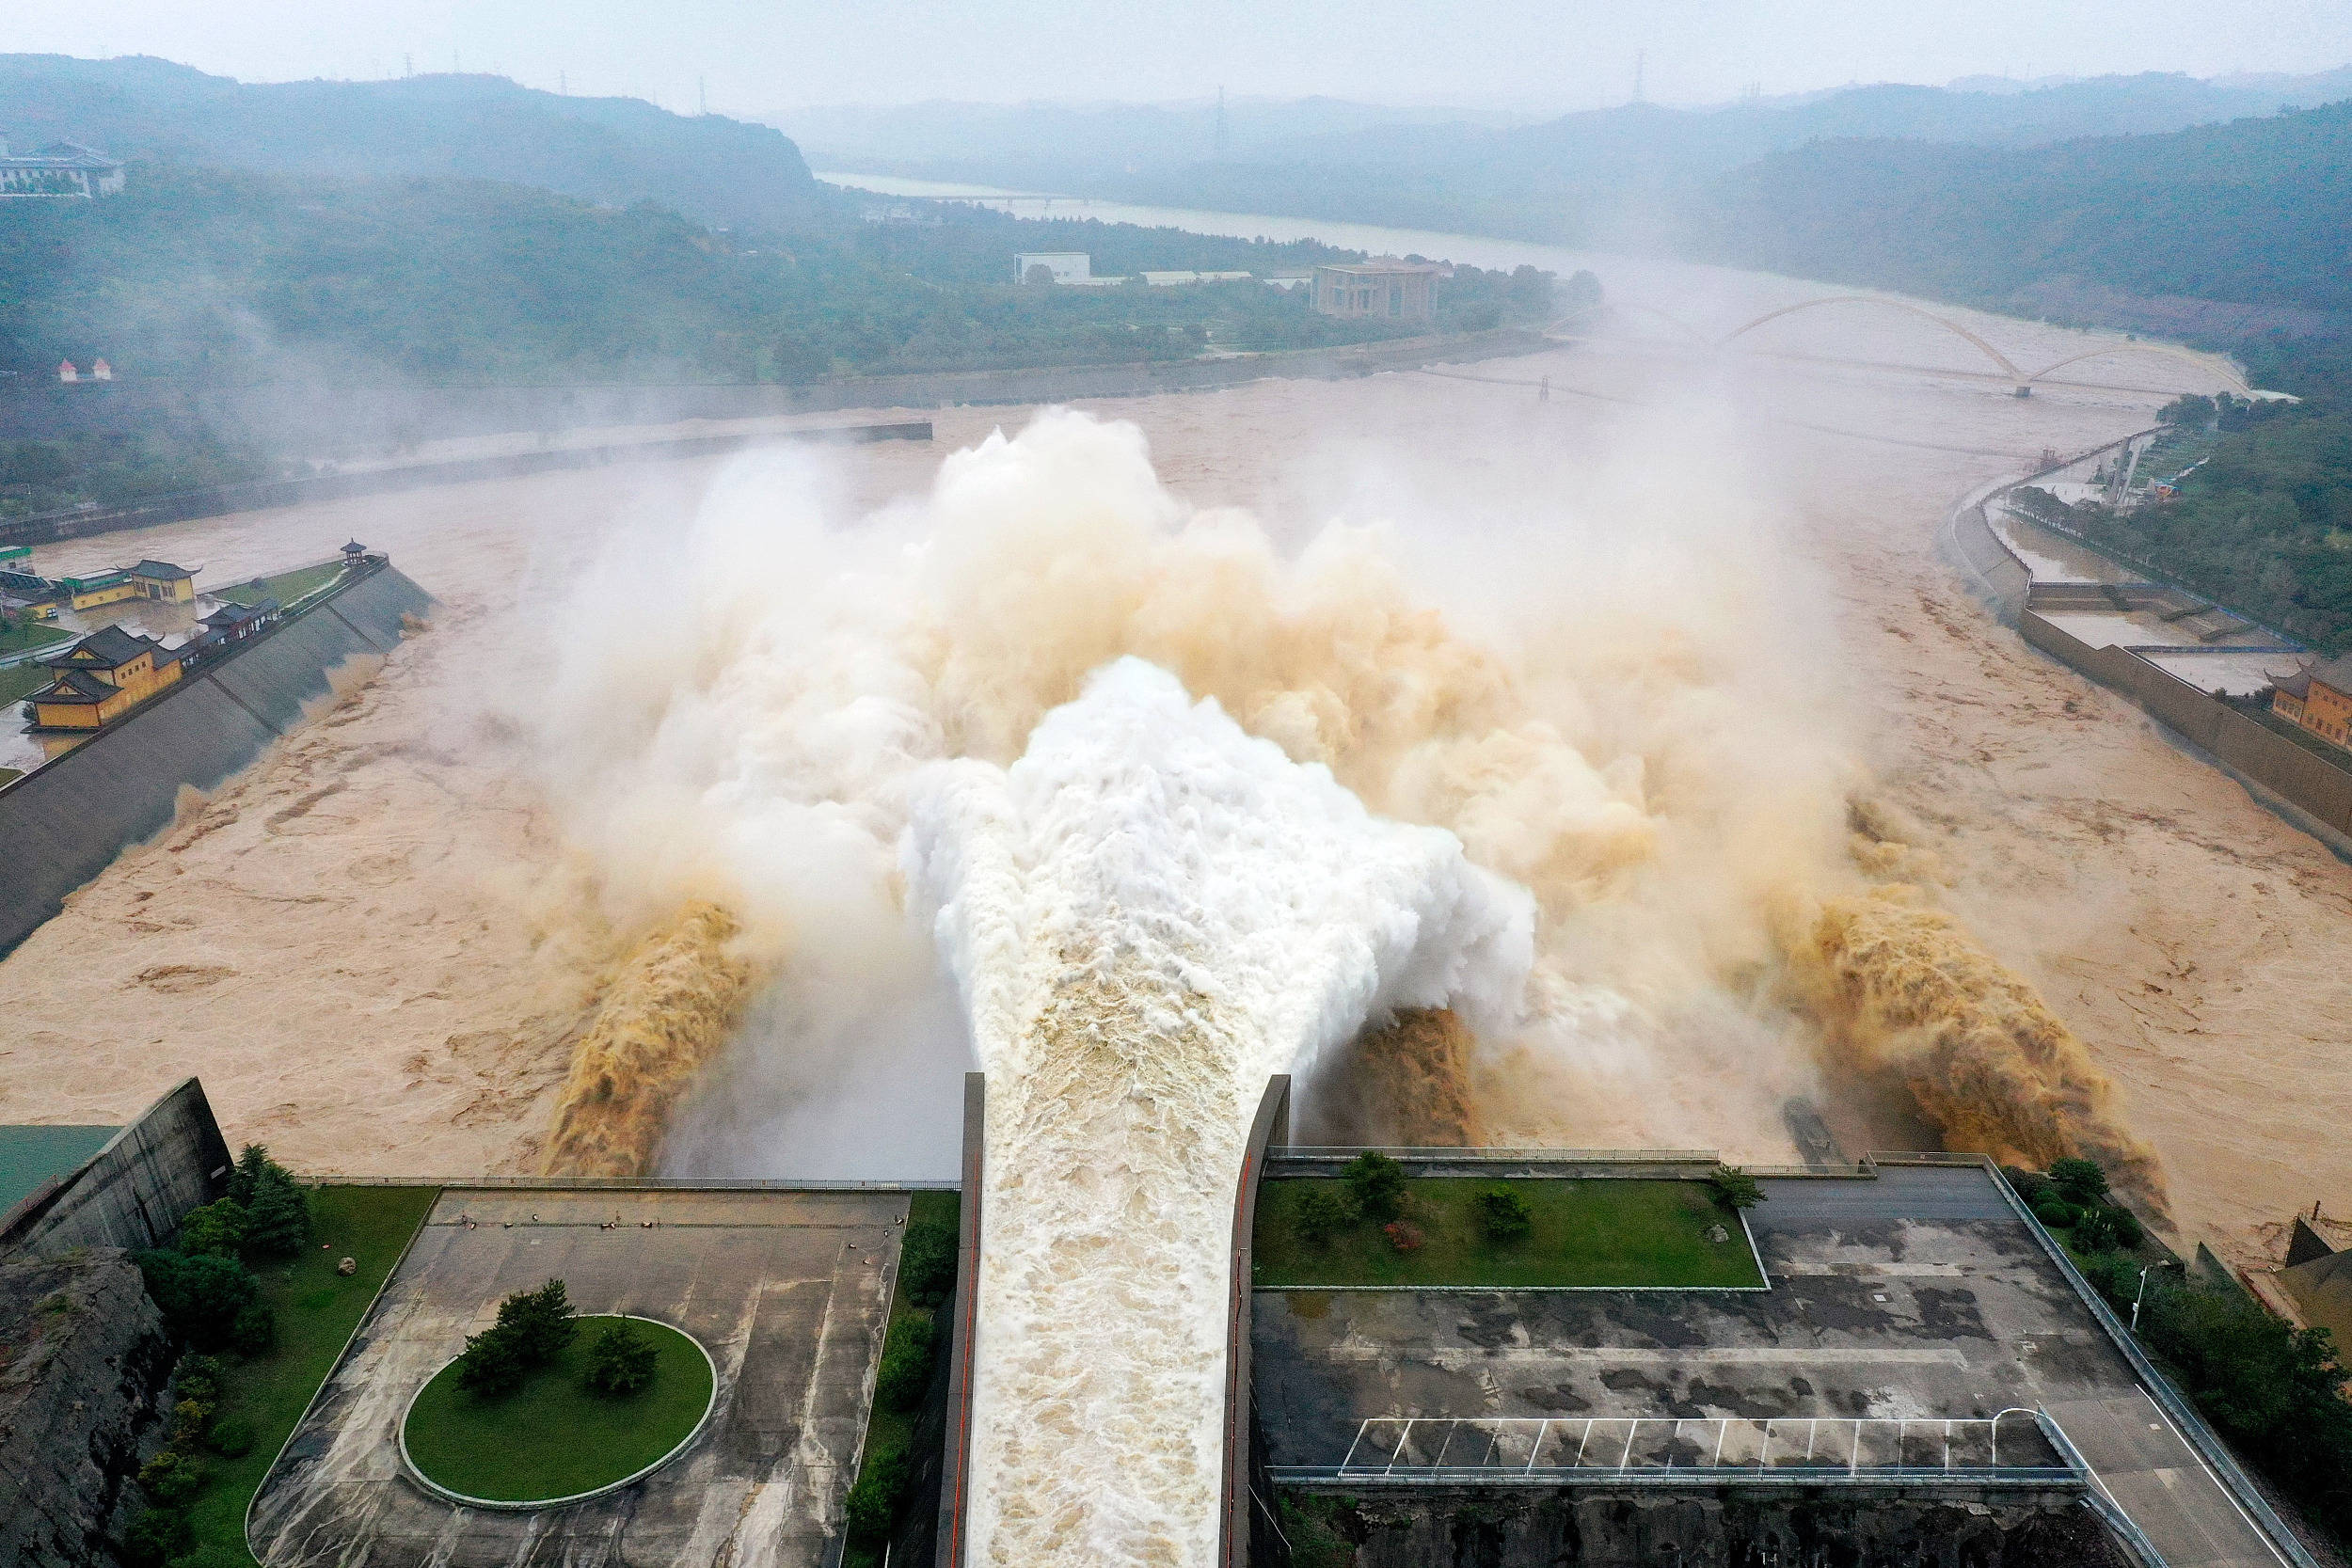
(172, 1481)
(216, 1230)
(493, 1365)
(2113, 1275)
(232, 1439)
(2078, 1180)
(927, 1263)
(2129, 1233)
(1503, 1215)
(2266, 1385)
(906, 1364)
(1734, 1188)
(2095, 1231)
(1313, 1527)
(206, 1299)
(197, 1377)
(278, 1210)
(882, 1486)
(156, 1536)
(620, 1361)
(280, 1216)
(1378, 1184)
(2055, 1213)
(541, 1322)
(2029, 1186)
(1323, 1214)
(254, 1329)
(1404, 1235)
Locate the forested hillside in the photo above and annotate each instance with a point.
(615, 150)
(210, 275)
(1606, 177)
(2252, 212)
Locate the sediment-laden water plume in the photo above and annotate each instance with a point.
(1193, 809)
(666, 1011)
(1149, 913)
(1902, 989)
(1605, 697)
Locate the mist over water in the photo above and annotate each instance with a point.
(1536, 808)
(1148, 914)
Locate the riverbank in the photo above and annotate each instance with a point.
(415, 1007)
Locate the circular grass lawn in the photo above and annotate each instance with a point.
(551, 1438)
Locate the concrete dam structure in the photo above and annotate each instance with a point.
(66, 821)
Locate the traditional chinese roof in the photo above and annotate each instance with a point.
(237, 615)
(355, 547)
(107, 648)
(162, 569)
(77, 688)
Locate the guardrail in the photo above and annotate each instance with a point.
(179, 506)
(1390, 1446)
(2127, 1531)
(625, 1183)
(2184, 1417)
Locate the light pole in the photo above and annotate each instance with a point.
(2140, 1296)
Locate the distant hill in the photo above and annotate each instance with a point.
(1604, 175)
(611, 151)
(2254, 214)
(215, 276)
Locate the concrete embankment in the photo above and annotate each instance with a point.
(63, 823)
(338, 416)
(2307, 788)
(218, 500)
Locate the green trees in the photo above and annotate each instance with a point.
(620, 1360)
(906, 1364)
(1504, 1216)
(927, 1261)
(1323, 1214)
(1734, 1188)
(532, 1329)
(1376, 1183)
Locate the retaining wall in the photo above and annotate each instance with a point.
(955, 1474)
(220, 499)
(2299, 777)
(133, 1192)
(345, 418)
(66, 821)
(1248, 1530)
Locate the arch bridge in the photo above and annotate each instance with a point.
(2022, 379)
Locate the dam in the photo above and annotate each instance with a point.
(1405, 1420)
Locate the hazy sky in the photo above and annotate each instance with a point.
(762, 56)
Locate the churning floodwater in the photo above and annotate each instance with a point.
(1149, 913)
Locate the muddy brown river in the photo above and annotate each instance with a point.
(370, 946)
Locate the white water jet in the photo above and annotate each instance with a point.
(1149, 913)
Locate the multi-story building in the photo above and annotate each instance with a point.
(2318, 697)
(61, 168)
(1384, 289)
(101, 677)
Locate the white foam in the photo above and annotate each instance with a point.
(1149, 913)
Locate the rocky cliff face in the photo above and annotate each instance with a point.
(83, 1361)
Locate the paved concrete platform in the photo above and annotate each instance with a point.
(788, 1292)
(1917, 1296)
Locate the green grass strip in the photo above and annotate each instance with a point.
(552, 1438)
(317, 1310)
(1600, 1234)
